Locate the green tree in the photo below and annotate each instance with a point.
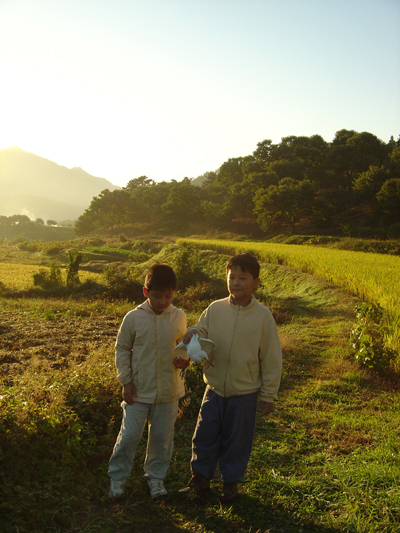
(19, 220)
(389, 201)
(395, 154)
(107, 210)
(285, 168)
(352, 153)
(136, 183)
(290, 201)
(368, 183)
(183, 205)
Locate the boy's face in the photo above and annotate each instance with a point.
(241, 285)
(159, 299)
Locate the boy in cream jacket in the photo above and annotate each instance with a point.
(151, 380)
(247, 359)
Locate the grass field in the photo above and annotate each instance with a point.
(371, 277)
(327, 460)
(20, 276)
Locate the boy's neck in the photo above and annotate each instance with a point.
(240, 304)
(155, 311)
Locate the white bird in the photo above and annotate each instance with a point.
(194, 351)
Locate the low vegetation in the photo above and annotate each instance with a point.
(327, 460)
(19, 277)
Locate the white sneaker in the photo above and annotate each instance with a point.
(156, 487)
(116, 488)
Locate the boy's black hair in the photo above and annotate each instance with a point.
(247, 262)
(160, 276)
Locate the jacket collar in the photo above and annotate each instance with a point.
(147, 307)
(251, 304)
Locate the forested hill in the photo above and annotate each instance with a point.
(350, 185)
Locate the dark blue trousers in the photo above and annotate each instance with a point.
(224, 432)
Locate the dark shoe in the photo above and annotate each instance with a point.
(229, 492)
(196, 483)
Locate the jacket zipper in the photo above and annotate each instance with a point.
(230, 349)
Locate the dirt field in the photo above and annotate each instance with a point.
(55, 341)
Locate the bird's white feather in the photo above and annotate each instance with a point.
(194, 350)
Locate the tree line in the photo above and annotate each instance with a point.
(22, 227)
(353, 180)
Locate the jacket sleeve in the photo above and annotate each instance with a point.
(183, 328)
(123, 349)
(270, 360)
(202, 324)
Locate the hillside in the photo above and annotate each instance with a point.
(33, 186)
(39, 207)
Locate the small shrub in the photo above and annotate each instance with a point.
(186, 269)
(40, 278)
(55, 274)
(48, 279)
(367, 338)
(28, 246)
(128, 245)
(199, 296)
(51, 249)
(95, 241)
(3, 288)
(147, 247)
(18, 239)
(394, 231)
(119, 284)
(75, 259)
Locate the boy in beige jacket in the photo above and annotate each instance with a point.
(151, 380)
(247, 359)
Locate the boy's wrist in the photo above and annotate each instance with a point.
(189, 334)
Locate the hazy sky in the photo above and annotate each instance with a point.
(173, 88)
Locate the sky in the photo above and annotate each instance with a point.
(174, 88)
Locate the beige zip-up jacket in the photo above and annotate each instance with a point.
(144, 351)
(247, 355)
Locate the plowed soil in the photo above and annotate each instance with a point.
(56, 341)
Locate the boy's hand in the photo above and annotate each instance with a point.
(129, 393)
(181, 363)
(266, 407)
(188, 335)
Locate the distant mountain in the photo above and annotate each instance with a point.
(33, 186)
(200, 180)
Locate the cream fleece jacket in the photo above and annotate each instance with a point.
(247, 355)
(144, 351)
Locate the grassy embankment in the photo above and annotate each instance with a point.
(371, 277)
(327, 460)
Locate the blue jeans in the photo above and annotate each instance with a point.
(224, 432)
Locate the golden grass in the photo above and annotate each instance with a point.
(371, 277)
(20, 277)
